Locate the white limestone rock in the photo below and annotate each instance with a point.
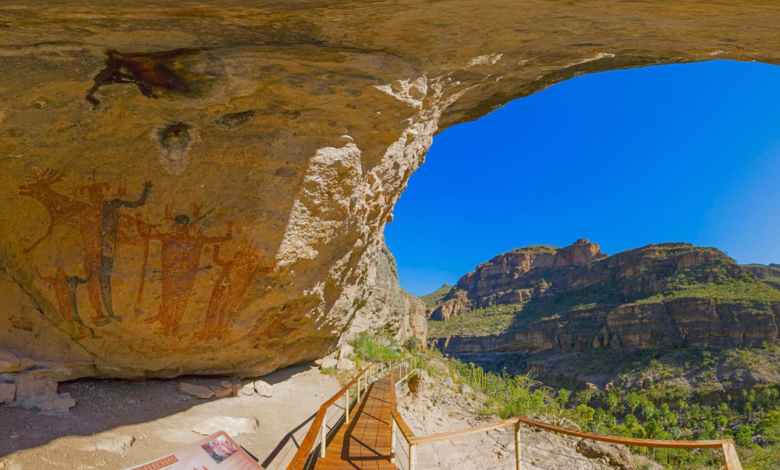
(232, 426)
(264, 389)
(345, 364)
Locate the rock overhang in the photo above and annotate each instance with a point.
(276, 138)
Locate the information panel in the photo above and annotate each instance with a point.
(216, 452)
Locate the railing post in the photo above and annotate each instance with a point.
(393, 427)
(323, 439)
(346, 405)
(358, 391)
(517, 446)
(412, 456)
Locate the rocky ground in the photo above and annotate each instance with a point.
(434, 407)
(117, 424)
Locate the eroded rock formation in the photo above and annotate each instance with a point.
(672, 294)
(202, 187)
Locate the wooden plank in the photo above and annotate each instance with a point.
(302, 455)
(731, 457)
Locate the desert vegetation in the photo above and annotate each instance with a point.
(750, 417)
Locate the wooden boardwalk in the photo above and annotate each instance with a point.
(364, 443)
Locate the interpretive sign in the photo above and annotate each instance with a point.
(216, 452)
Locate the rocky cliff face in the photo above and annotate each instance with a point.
(203, 187)
(657, 296)
(770, 275)
(389, 307)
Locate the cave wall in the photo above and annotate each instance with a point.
(202, 187)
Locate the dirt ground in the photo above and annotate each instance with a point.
(95, 433)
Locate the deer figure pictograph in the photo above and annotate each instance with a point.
(63, 210)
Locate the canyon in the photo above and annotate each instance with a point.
(552, 305)
(202, 188)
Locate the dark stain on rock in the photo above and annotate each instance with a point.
(152, 73)
(285, 171)
(352, 92)
(321, 90)
(175, 136)
(297, 78)
(235, 120)
(586, 44)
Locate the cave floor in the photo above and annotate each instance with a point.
(159, 422)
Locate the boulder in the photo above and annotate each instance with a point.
(232, 426)
(38, 390)
(345, 351)
(345, 365)
(615, 454)
(197, 391)
(328, 363)
(465, 389)
(7, 392)
(226, 384)
(264, 389)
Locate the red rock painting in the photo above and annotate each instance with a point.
(182, 247)
(230, 288)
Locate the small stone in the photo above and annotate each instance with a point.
(465, 389)
(197, 391)
(448, 382)
(182, 397)
(216, 388)
(225, 392)
(264, 389)
(247, 390)
(345, 364)
(226, 384)
(14, 436)
(328, 363)
(7, 392)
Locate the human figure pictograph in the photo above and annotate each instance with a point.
(230, 288)
(182, 247)
(65, 290)
(110, 225)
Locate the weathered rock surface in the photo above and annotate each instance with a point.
(203, 189)
(38, 390)
(389, 307)
(232, 426)
(7, 392)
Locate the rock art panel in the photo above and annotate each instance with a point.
(204, 189)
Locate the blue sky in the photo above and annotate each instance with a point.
(686, 153)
